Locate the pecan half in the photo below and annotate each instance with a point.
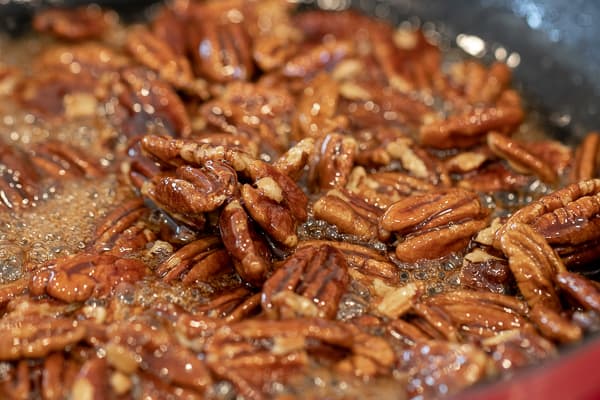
(349, 213)
(250, 254)
(586, 158)
(332, 162)
(448, 218)
(83, 276)
(533, 263)
(18, 182)
(519, 158)
(59, 160)
(567, 219)
(310, 283)
(468, 129)
(74, 24)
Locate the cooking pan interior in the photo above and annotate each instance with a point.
(553, 45)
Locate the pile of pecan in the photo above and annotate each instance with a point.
(315, 205)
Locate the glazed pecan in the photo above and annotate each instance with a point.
(586, 158)
(310, 283)
(199, 260)
(519, 158)
(144, 98)
(481, 84)
(533, 263)
(464, 365)
(254, 352)
(332, 162)
(468, 129)
(122, 231)
(567, 219)
(494, 177)
(507, 351)
(313, 59)
(35, 335)
(190, 192)
(158, 55)
(554, 325)
(349, 213)
(134, 345)
(584, 291)
(263, 113)
(18, 181)
(86, 22)
(382, 189)
(83, 276)
(221, 50)
(59, 160)
(250, 253)
(448, 218)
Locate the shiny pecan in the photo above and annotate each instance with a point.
(494, 177)
(468, 129)
(59, 160)
(190, 192)
(448, 218)
(134, 345)
(221, 50)
(316, 108)
(567, 219)
(293, 161)
(86, 22)
(280, 349)
(121, 230)
(18, 181)
(507, 349)
(463, 364)
(519, 158)
(555, 326)
(349, 213)
(586, 158)
(382, 189)
(580, 288)
(199, 260)
(533, 263)
(83, 276)
(310, 283)
(332, 162)
(35, 336)
(156, 54)
(481, 84)
(263, 113)
(232, 305)
(467, 161)
(250, 253)
(313, 59)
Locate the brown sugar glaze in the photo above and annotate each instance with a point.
(237, 199)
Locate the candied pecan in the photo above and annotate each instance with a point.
(349, 213)
(586, 158)
(36, 335)
(190, 192)
(58, 376)
(119, 230)
(533, 263)
(197, 261)
(382, 189)
(293, 161)
(18, 181)
(250, 254)
(156, 353)
(519, 158)
(83, 276)
(231, 305)
(555, 326)
(317, 107)
(240, 351)
(309, 283)
(584, 291)
(493, 178)
(144, 98)
(567, 219)
(169, 27)
(468, 129)
(435, 367)
(516, 348)
(263, 113)
(59, 160)
(448, 218)
(221, 50)
(466, 161)
(85, 22)
(481, 84)
(312, 59)
(483, 271)
(158, 55)
(332, 162)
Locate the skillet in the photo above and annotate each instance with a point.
(554, 47)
